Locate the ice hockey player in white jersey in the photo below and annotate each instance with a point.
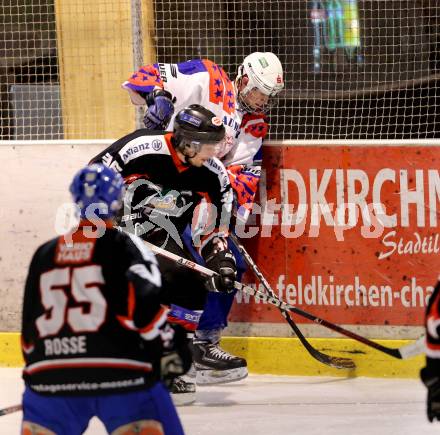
(242, 105)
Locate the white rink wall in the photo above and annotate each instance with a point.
(34, 183)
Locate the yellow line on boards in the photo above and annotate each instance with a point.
(285, 356)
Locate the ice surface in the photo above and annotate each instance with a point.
(273, 405)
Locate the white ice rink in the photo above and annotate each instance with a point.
(273, 405)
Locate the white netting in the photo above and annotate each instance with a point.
(354, 68)
(61, 66)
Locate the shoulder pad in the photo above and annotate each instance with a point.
(217, 167)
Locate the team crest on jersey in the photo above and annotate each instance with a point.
(167, 202)
(156, 144)
(216, 121)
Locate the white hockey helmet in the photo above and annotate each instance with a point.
(265, 73)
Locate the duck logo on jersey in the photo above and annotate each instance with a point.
(166, 203)
(158, 208)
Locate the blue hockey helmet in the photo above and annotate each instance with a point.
(98, 185)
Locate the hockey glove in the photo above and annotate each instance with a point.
(176, 359)
(159, 111)
(222, 262)
(433, 401)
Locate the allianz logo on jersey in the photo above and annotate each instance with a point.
(127, 153)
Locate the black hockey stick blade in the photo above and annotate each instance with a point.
(332, 361)
(339, 363)
(10, 410)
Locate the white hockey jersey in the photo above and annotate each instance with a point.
(201, 81)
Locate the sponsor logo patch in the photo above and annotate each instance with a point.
(263, 62)
(190, 119)
(216, 121)
(79, 252)
(163, 72)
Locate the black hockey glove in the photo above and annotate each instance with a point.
(433, 401)
(176, 359)
(160, 110)
(220, 260)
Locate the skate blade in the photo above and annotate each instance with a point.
(212, 377)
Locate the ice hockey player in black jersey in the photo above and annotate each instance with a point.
(242, 104)
(95, 337)
(167, 175)
(431, 373)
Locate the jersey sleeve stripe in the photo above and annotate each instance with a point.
(146, 253)
(152, 330)
(191, 67)
(117, 363)
(142, 271)
(145, 79)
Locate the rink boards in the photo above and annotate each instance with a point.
(285, 356)
(357, 246)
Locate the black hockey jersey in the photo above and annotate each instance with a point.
(164, 192)
(91, 314)
(432, 324)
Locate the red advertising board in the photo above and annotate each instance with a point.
(348, 233)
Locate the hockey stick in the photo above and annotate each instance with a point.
(10, 410)
(418, 347)
(339, 363)
(395, 353)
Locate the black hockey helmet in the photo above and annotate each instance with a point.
(194, 126)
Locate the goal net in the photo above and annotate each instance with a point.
(354, 69)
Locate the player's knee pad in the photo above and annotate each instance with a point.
(141, 427)
(29, 428)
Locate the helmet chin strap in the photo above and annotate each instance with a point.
(187, 156)
(242, 82)
(241, 98)
(184, 148)
(239, 93)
